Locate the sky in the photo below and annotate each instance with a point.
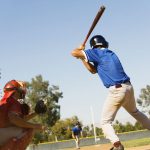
(37, 37)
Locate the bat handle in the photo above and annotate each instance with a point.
(84, 42)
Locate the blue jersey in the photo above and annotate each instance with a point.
(108, 66)
(76, 130)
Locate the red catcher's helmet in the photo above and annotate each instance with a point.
(15, 86)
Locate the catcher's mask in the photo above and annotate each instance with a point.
(15, 86)
(97, 41)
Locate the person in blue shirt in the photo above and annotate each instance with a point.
(103, 61)
(76, 133)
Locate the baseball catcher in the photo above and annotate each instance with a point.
(15, 130)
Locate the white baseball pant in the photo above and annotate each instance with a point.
(117, 97)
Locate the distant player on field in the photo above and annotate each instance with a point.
(76, 133)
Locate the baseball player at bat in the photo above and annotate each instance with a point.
(103, 61)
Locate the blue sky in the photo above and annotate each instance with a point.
(36, 37)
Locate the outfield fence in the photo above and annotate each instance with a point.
(88, 141)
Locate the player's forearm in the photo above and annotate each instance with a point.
(20, 122)
(89, 66)
(30, 116)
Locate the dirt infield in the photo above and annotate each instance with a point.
(108, 146)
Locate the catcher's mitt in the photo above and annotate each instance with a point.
(40, 107)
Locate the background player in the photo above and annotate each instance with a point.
(76, 133)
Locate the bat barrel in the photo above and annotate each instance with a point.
(95, 21)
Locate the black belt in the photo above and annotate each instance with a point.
(119, 85)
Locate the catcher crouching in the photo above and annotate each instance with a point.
(15, 130)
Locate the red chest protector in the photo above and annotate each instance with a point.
(8, 104)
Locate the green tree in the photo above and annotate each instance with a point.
(138, 126)
(99, 131)
(119, 127)
(87, 131)
(39, 89)
(129, 127)
(144, 100)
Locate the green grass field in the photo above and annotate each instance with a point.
(137, 142)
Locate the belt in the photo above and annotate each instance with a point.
(120, 85)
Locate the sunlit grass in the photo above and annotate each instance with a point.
(137, 142)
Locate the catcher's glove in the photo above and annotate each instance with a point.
(40, 107)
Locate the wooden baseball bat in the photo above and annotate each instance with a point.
(95, 21)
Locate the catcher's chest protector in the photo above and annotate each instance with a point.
(4, 106)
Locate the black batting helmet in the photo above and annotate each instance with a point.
(98, 40)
